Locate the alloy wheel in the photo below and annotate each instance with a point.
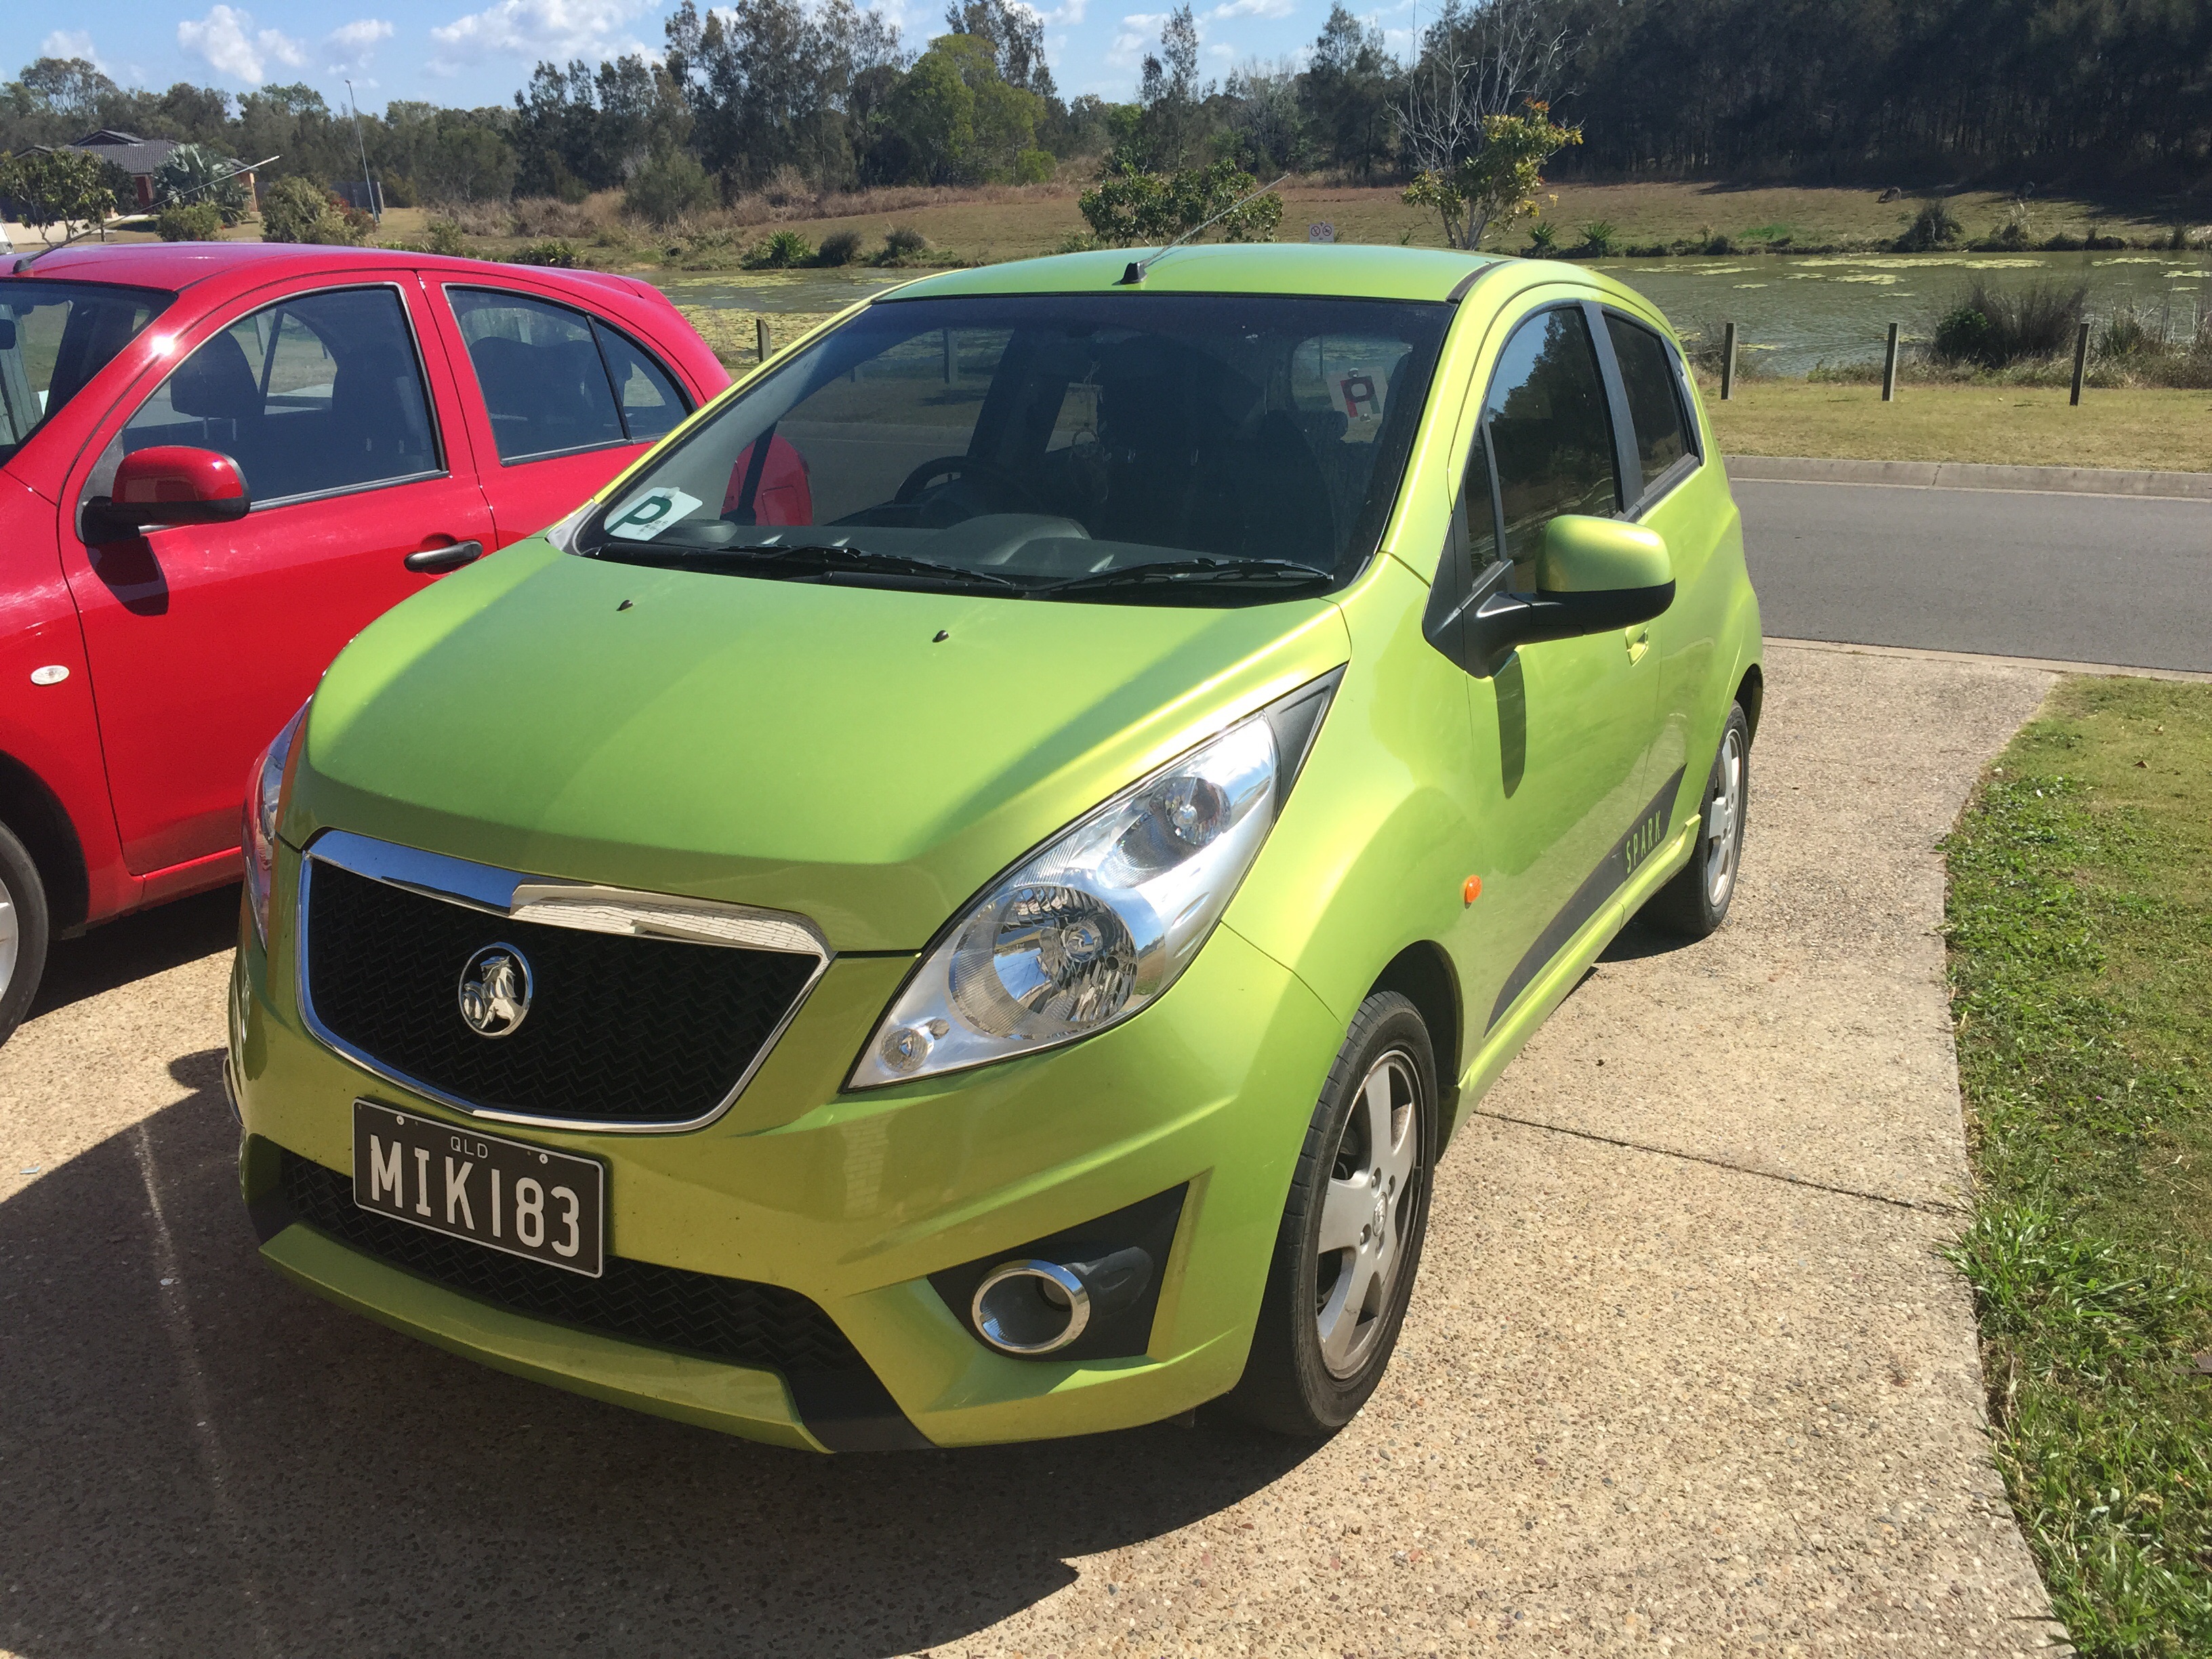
(1723, 819)
(11, 942)
(1372, 1191)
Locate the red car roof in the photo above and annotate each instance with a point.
(175, 265)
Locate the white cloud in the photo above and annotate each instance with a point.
(1069, 12)
(70, 43)
(227, 39)
(353, 45)
(532, 29)
(1253, 8)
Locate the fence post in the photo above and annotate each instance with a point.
(1728, 361)
(2081, 362)
(1889, 368)
(760, 336)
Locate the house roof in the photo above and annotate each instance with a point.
(135, 155)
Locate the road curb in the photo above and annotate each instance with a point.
(1963, 475)
(2044, 664)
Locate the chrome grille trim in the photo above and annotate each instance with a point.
(582, 905)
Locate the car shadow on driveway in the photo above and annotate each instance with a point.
(117, 952)
(196, 1457)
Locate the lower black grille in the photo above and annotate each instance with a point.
(727, 1318)
(620, 1030)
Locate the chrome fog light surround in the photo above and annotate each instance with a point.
(1031, 1307)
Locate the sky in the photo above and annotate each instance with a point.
(443, 52)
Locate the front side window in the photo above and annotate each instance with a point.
(316, 394)
(1129, 446)
(54, 337)
(555, 381)
(1550, 433)
(1654, 400)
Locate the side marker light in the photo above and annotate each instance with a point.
(1471, 889)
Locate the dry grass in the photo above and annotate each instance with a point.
(2019, 426)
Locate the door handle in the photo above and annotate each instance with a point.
(431, 561)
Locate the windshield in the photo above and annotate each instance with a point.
(54, 337)
(1211, 449)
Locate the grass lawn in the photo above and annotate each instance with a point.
(2080, 920)
(2020, 426)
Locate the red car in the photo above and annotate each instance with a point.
(218, 461)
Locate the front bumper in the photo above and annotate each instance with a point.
(853, 1199)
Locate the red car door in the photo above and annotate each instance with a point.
(560, 399)
(201, 639)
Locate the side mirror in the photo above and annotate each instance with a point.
(1594, 575)
(168, 484)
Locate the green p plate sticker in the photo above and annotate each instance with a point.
(651, 514)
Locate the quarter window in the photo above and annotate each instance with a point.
(1550, 433)
(1654, 402)
(313, 395)
(556, 381)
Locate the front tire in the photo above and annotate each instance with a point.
(24, 932)
(1350, 1242)
(1696, 902)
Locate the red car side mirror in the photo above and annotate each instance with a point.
(168, 484)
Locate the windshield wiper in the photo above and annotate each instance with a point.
(1196, 571)
(811, 558)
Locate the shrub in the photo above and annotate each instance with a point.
(1077, 242)
(1598, 239)
(1935, 225)
(297, 209)
(559, 254)
(1543, 238)
(1993, 327)
(445, 238)
(201, 222)
(1035, 167)
(839, 247)
(780, 251)
(670, 186)
(902, 242)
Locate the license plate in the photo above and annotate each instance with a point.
(504, 1194)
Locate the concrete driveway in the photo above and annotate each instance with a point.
(1685, 1372)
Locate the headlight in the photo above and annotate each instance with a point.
(265, 801)
(1101, 922)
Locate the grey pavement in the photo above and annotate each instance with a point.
(1685, 1373)
(2075, 577)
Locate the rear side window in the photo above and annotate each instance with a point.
(1549, 433)
(556, 381)
(1654, 398)
(318, 394)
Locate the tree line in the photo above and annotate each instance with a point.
(820, 95)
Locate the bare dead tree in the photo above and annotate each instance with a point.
(1479, 58)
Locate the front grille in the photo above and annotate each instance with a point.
(621, 1029)
(728, 1319)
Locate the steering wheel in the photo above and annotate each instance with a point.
(944, 466)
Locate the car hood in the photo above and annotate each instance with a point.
(868, 758)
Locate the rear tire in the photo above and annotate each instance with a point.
(24, 932)
(1696, 903)
(1329, 1318)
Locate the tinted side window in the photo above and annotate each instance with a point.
(544, 382)
(1654, 402)
(1550, 433)
(651, 405)
(312, 395)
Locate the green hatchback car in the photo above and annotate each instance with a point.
(965, 896)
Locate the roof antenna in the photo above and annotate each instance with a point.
(1135, 273)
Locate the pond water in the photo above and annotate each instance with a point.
(775, 291)
(1791, 311)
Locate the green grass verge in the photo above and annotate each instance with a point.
(2080, 921)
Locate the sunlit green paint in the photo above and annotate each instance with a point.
(819, 749)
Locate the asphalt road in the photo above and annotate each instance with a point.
(1685, 1372)
(2098, 579)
